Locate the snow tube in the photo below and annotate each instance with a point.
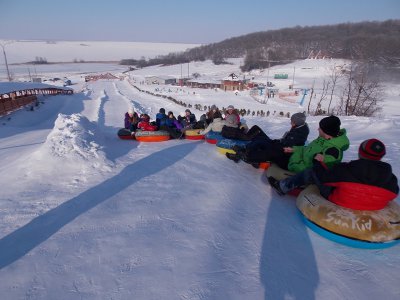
(369, 229)
(125, 134)
(193, 134)
(213, 137)
(278, 173)
(347, 194)
(152, 136)
(225, 145)
(264, 165)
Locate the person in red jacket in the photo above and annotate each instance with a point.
(363, 184)
(144, 123)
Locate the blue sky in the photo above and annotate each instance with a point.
(180, 21)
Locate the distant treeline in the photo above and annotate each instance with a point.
(377, 42)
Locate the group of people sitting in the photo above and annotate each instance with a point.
(366, 183)
(167, 122)
(212, 120)
(319, 162)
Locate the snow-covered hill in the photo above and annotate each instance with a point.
(85, 215)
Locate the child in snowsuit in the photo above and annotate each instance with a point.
(348, 183)
(144, 123)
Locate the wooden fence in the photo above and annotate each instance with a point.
(14, 100)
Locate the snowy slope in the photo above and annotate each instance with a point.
(85, 215)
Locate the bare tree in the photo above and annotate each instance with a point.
(362, 94)
(335, 75)
(325, 87)
(311, 95)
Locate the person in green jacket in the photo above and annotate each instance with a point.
(327, 148)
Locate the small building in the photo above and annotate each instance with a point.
(160, 80)
(183, 81)
(99, 76)
(233, 83)
(204, 83)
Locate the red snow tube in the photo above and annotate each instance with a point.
(152, 136)
(360, 196)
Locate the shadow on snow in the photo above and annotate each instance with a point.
(288, 268)
(20, 242)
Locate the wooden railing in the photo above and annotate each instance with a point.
(14, 100)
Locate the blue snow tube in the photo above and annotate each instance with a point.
(213, 137)
(225, 145)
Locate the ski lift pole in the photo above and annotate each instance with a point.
(304, 96)
(5, 59)
(294, 72)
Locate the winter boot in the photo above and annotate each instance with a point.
(238, 148)
(255, 165)
(243, 156)
(275, 185)
(233, 157)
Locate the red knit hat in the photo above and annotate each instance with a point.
(372, 149)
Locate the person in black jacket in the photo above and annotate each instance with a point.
(365, 184)
(262, 148)
(188, 120)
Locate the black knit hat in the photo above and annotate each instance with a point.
(330, 125)
(372, 149)
(162, 110)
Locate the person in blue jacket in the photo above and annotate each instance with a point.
(161, 118)
(169, 123)
(172, 122)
